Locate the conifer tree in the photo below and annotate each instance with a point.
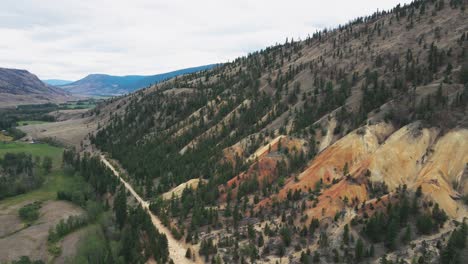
(120, 207)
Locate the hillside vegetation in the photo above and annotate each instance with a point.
(346, 146)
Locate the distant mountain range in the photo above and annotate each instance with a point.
(57, 82)
(22, 87)
(109, 85)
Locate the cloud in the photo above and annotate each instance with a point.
(73, 38)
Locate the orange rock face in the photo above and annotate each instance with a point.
(413, 156)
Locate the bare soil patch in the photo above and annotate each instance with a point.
(69, 245)
(32, 241)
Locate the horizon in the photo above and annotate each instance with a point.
(69, 41)
(130, 75)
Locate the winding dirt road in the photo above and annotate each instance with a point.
(177, 249)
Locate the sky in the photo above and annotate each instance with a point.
(69, 39)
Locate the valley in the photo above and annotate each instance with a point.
(348, 146)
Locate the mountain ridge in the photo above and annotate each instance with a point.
(308, 142)
(18, 86)
(112, 85)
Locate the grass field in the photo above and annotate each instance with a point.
(5, 138)
(54, 181)
(40, 150)
(31, 122)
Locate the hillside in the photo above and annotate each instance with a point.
(347, 145)
(21, 87)
(108, 85)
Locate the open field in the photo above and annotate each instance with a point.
(5, 138)
(40, 150)
(52, 182)
(55, 181)
(48, 191)
(31, 241)
(70, 131)
(16, 237)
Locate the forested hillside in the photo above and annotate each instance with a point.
(127, 237)
(350, 145)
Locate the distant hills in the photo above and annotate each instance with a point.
(57, 82)
(19, 87)
(109, 85)
(22, 87)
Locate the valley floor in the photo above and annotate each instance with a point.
(19, 238)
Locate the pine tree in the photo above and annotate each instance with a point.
(345, 169)
(424, 224)
(47, 164)
(407, 236)
(457, 242)
(120, 207)
(316, 258)
(346, 234)
(371, 251)
(359, 250)
(464, 74)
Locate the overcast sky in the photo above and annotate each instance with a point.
(68, 39)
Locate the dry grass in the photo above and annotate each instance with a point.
(70, 132)
(32, 241)
(5, 138)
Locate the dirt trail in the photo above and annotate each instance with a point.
(177, 249)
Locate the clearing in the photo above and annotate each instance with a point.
(71, 131)
(19, 239)
(22, 240)
(53, 182)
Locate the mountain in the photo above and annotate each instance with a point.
(348, 146)
(21, 87)
(108, 85)
(57, 82)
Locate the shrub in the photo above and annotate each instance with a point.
(30, 212)
(54, 249)
(27, 260)
(424, 224)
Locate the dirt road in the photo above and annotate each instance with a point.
(177, 249)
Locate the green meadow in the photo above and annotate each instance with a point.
(54, 181)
